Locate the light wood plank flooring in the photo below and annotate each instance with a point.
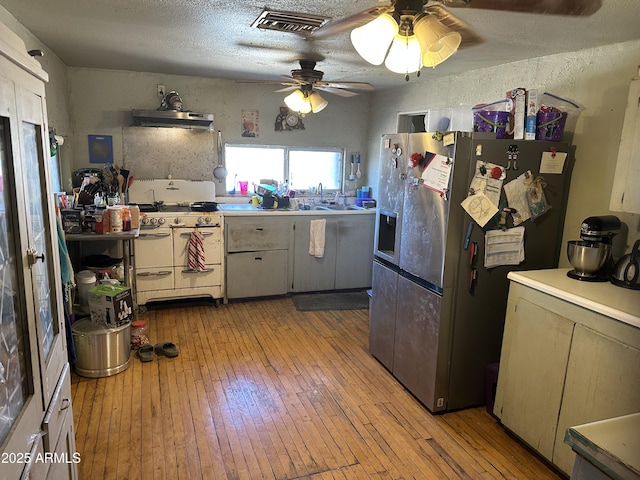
(262, 391)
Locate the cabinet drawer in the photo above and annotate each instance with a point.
(210, 276)
(255, 236)
(149, 279)
(257, 274)
(211, 243)
(59, 408)
(153, 248)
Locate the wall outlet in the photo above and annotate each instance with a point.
(440, 402)
(161, 90)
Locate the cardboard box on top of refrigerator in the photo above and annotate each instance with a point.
(111, 305)
(532, 112)
(518, 97)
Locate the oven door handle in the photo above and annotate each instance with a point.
(206, 270)
(178, 225)
(188, 234)
(161, 273)
(154, 235)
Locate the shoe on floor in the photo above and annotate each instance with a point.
(166, 348)
(145, 352)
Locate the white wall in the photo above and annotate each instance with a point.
(102, 101)
(596, 78)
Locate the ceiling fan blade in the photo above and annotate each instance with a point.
(336, 91)
(290, 88)
(549, 7)
(350, 22)
(346, 85)
(292, 83)
(469, 37)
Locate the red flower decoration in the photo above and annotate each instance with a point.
(416, 159)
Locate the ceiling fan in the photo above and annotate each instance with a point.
(414, 7)
(307, 78)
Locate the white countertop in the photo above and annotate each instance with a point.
(234, 209)
(613, 445)
(619, 303)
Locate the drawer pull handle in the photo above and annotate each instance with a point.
(154, 235)
(259, 229)
(154, 274)
(258, 258)
(206, 270)
(66, 403)
(204, 234)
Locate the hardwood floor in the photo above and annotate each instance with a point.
(262, 391)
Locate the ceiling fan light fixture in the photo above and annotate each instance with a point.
(404, 55)
(437, 42)
(317, 102)
(298, 102)
(372, 40)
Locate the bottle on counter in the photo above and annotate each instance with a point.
(99, 224)
(126, 219)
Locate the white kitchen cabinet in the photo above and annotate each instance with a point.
(354, 255)
(257, 260)
(625, 194)
(348, 255)
(602, 381)
(563, 365)
(34, 372)
(535, 350)
(310, 273)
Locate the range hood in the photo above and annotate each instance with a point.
(172, 118)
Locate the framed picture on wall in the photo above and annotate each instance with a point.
(250, 123)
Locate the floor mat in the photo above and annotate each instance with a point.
(331, 301)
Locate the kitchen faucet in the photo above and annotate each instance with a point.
(320, 190)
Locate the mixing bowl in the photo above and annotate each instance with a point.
(587, 257)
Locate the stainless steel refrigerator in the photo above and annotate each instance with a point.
(437, 314)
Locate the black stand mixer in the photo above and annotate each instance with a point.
(591, 256)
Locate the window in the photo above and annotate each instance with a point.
(301, 167)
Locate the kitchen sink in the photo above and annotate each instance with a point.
(337, 207)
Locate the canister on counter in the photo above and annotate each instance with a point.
(116, 219)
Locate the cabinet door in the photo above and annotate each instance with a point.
(603, 381)
(311, 273)
(535, 350)
(354, 258)
(257, 274)
(625, 195)
(42, 273)
(32, 345)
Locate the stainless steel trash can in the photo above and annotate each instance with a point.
(101, 351)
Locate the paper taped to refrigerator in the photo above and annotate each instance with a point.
(437, 173)
(552, 162)
(504, 247)
(488, 179)
(516, 191)
(480, 208)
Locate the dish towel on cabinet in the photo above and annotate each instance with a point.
(196, 251)
(316, 237)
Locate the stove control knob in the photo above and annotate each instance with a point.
(161, 221)
(207, 220)
(145, 221)
(200, 220)
(154, 221)
(176, 220)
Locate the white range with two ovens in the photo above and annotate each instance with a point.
(170, 211)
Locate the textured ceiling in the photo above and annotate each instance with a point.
(214, 38)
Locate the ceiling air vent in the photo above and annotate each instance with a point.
(300, 23)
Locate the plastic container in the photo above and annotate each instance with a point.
(492, 117)
(85, 280)
(139, 334)
(437, 120)
(554, 116)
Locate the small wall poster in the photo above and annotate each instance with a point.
(250, 123)
(101, 149)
